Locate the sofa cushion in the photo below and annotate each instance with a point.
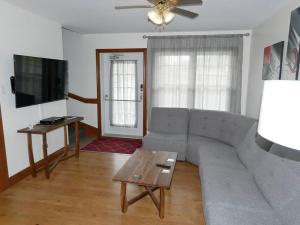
(223, 126)
(279, 181)
(218, 214)
(263, 143)
(194, 141)
(169, 120)
(232, 188)
(249, 152)
(166, 142)
(212, 152)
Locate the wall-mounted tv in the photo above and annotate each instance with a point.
(39, 80)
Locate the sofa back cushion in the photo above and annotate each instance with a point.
(279, 181)
(249, 152)
(226, 127)
(265, 144)
(284, 152)
(169, 120)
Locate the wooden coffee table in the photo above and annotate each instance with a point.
(141, 170)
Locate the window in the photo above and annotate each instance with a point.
(196, 71)
(213, 81)
(171, 81)
(193, 80)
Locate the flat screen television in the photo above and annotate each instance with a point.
(39, 80)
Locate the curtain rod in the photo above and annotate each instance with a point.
(245, 34)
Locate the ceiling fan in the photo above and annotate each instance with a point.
(163, 11)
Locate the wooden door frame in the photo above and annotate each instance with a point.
(4, 182)
(98, 75)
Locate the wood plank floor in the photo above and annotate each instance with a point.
(81, 192)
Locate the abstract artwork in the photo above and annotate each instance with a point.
(292, 72)
(273, 62)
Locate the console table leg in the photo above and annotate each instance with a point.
(30, 154)
(45, 151)
(65, 140)
(123, 197)
(162, 203)
(77, 140)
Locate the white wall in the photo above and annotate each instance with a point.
(27, 34)
(79, 50)
(273, 30)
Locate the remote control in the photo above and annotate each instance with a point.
(137, 177)
(163, 166)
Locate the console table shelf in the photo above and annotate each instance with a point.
(43, 130)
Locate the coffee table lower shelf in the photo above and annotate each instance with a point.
(160, 204)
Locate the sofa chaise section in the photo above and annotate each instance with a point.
(230, 193)
(279, 181)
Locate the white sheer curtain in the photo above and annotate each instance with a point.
(203, 72)
(123, 88)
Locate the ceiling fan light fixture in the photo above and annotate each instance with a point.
(168, 16)
(159, 18)
(164, 11)
(155, 17)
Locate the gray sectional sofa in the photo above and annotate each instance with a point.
(241, 183)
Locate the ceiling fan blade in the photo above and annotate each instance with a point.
(134, 7)
(184, 12)
(189, 2)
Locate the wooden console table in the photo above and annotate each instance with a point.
(43, 130)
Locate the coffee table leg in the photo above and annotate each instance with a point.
(123, 197)
(77, 140)
(162, 203)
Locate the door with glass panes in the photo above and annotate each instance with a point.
(122, 93)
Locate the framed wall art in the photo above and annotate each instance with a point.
(292, 58)
(272, 66)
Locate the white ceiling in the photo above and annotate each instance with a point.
(99, 16)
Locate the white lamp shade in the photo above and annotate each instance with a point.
(279, 119)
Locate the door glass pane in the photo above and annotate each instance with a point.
(123, 93)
